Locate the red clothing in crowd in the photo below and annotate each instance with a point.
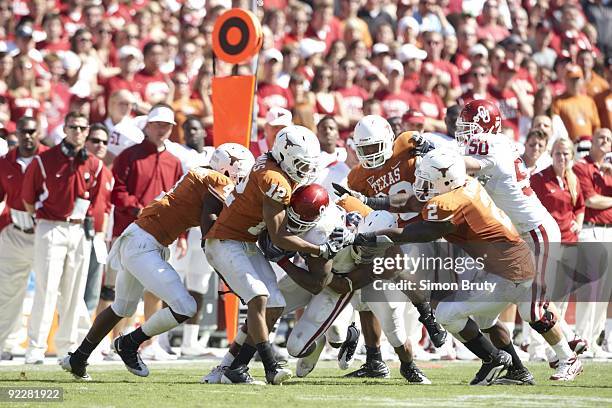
(141, 174)
(12, 174)
(593, 182)
(23, 105)
(103, 205)
(508, 106)
(394, 104)
(270, 95)
(463, 63)
(53, 181)
(116, 83)
(450, 70)
(411, 82)
(151, 86)
(558, 201)
(430, 105)
(470, 95)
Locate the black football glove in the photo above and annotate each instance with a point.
(341, 191)
(370, 239)
(271, 251)
(423, 145)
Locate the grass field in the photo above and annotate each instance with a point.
(178, 386)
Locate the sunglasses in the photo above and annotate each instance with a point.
(79, 128)
(95, 140)
(28, 131)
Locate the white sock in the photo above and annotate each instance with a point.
(190, 334)
(160, 322)
(229, 358)
(240, 337)
(563, 350)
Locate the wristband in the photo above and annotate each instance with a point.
(283, 262)
(378, 203)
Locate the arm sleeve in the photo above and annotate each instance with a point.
(120, 195)
(32, 182)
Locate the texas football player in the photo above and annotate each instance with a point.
(140, 257)
(258, 203)
(458, 209)
(386, 167)
(492, 157)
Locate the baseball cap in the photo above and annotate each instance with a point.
(129, 51)
(573, 71)
(410, 51)
(278, 116)
(395, 65)
(24, 30)
(479, 49)
(272, 54)
(407, 22)
(161, 114)
(511, 40)
(380, 48)
(309, 47)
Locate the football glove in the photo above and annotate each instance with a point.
(341, 191)
(370, 239)
(271, 251)
(423, 145)
(353, 219)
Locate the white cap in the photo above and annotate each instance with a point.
(479, 49)
(395, 65)
(380, 48)
(130, 51)
(409, 51)
(161, 114)
(278, 116)
(272, 54)
(309, 47)
(406, 22)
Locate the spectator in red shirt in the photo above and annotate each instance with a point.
(24, 96)
(479, 81)
(535, 157)
(269, 93)
(55, 40)
(394, 101)
(129, 60)
(62, 182)
(17, 226)
(327, 101)
(324, 26)
(151, 83)
(489, 27)
(56, 105)
(428, 102)
(298, 24)
(433, 44)
(466, 39)
(412, 58)
(353, 96)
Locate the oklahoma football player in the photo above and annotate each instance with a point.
(258, 203)
(458, 209)
(493, 158)
(141, 253)
(386, 167)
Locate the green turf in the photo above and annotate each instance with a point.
(178, 386)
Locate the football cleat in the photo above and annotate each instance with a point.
(413, 374)
(490, 371)
(567, 370)
(239, 375)
(436, 333)
(305, 365)
(214, 377)
(278, 374)
(346, 355)
(129, 354)
(371, 369)
(520, 376)
(78, 370)
(577, 345)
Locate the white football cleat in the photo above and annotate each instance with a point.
(157, 353)
(194, 351)
(306, 364)
(214, 377)
(34, 356)
(567, 370)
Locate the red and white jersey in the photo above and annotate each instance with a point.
(507, 180)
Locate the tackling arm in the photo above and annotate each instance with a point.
(420, 231)
(315, 278)
(211, 208)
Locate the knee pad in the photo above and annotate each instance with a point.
(124, 308)
(107, 293)
(295, 344)
(185, 305)
(546, 323)
(451, 321)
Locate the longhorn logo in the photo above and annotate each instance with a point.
(442, 170)
(233, 159)
(289, 143)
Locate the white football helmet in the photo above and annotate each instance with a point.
(373, 139)
(296, 149)
(440, 171)
(374, 221)
(233, 160)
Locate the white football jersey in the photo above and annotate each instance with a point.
(506, 179)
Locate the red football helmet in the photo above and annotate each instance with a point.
(477, 116)
(306, 206)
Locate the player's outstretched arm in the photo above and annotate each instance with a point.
(420, 231)
(315, 279)
(211, 208)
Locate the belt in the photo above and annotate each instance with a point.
(25, 231)
(597, 224)
(74, 221)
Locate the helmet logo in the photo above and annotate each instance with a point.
(289, 143)
(483, 114)
(232, 159)
(443, 170)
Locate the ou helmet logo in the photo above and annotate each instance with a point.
(483, 114)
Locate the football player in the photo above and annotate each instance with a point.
(386, 167)
(492, 157)
(140, 256)
(326, 288)
(258, 203)
(458, 209)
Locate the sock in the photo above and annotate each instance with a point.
(160, 322)
(137, 337)
(563, 350)
(516, 361)
(373, 353)
(190, 334)
(424, 308)
(482, 347)
(244, 356)
(267, 358)
(228, 359)
(84, 351)
(240, 337)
